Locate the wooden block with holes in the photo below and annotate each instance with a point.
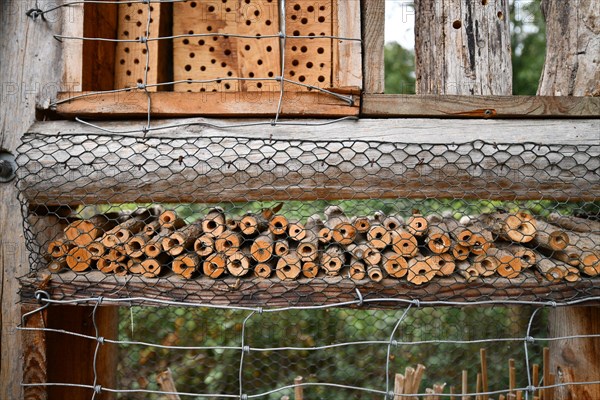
(217, 60)
(309, 61)
(137, 62)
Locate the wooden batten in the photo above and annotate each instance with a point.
(97, 57)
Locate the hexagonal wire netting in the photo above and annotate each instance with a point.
(305, 251)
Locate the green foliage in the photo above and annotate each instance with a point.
(528, 36)
(399, 69)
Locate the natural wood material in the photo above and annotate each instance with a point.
(373, 30)
(228, 243)
(417, 225)
(509, 266)
(431, 175)
(288, 267)
(252, 224)
(215, 222)
(394, 264)
(238, 264)
(443, 264)
(375, 273)
(92, 61)
(182, 239)
(262, 247)
(419, 271)
(404, 243)
(204, 245)
(310, 269)
(572, 66)
(308, 248)
(84, 232)
(575, 224)
(79, 259)
(343, 231)
(135, 245)
(278, 225)
(167, 384)
(552, 270)
(281, 247)
(214, 265)
(438, 238)
(465, 48)
(263, 270)
(186, 264)
(296, 231)
(134, 104)
(121, 233)
(358, 270)
(519, 227)
(460, 233)
(467, 271)
(365, 253)
(303, 291)
(361, 224)
(169, 220)
(332, 260)
(549, 236)
(378, 236)
(574, 360)
(482, 107)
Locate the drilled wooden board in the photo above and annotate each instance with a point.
(226, 58)
(132, 57)
(309, 61)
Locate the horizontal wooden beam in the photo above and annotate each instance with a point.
(304, 292)
(183, 104)
(368, 159)
(389, 106)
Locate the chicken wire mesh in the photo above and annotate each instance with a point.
(450, 241)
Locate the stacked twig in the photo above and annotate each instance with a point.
(151, 241)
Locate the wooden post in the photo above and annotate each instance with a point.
(463, 47)
(373, 31)
(572, 68)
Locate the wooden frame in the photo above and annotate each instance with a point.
(26, 352)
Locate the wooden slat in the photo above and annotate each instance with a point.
(34, 354)
(433, 106)
(305, 292)
(98, 57)
(175, 104)
(238, 170)
(347, 54)
(373, 31)
(70, 358)
(72, 61)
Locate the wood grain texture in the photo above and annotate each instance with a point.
(463, 47)
(98, 57)
(347, 54)
(76, 170)
(575, 360)
(486, 107)
(572, 66)
(34, 354)
(70, 358)
(373, 32)
(303, 292)
(173, 104)
(131, 58)
(72, 62)
(29, 71)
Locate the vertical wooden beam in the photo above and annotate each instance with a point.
(575, 360)
(98, 57)
(70, 358)
(572, 66)
(373, 32)
(462, 47)
(347, 54)
(29, 76)
(34, 354)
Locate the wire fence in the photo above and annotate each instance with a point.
(241, 263)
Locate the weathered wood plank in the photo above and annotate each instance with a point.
(347, 55)
(373, 32)
(70, 358)
(390, 106)
(29, 71)
(304, 292)
(34, 354)
(174, 104)
(463, 47)
(97, 56)
(572, 66)
(375, 160)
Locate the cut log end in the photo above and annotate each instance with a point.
(214, 266)
(288, 267)
(395, 265)
(263, 270)
(79, 259)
